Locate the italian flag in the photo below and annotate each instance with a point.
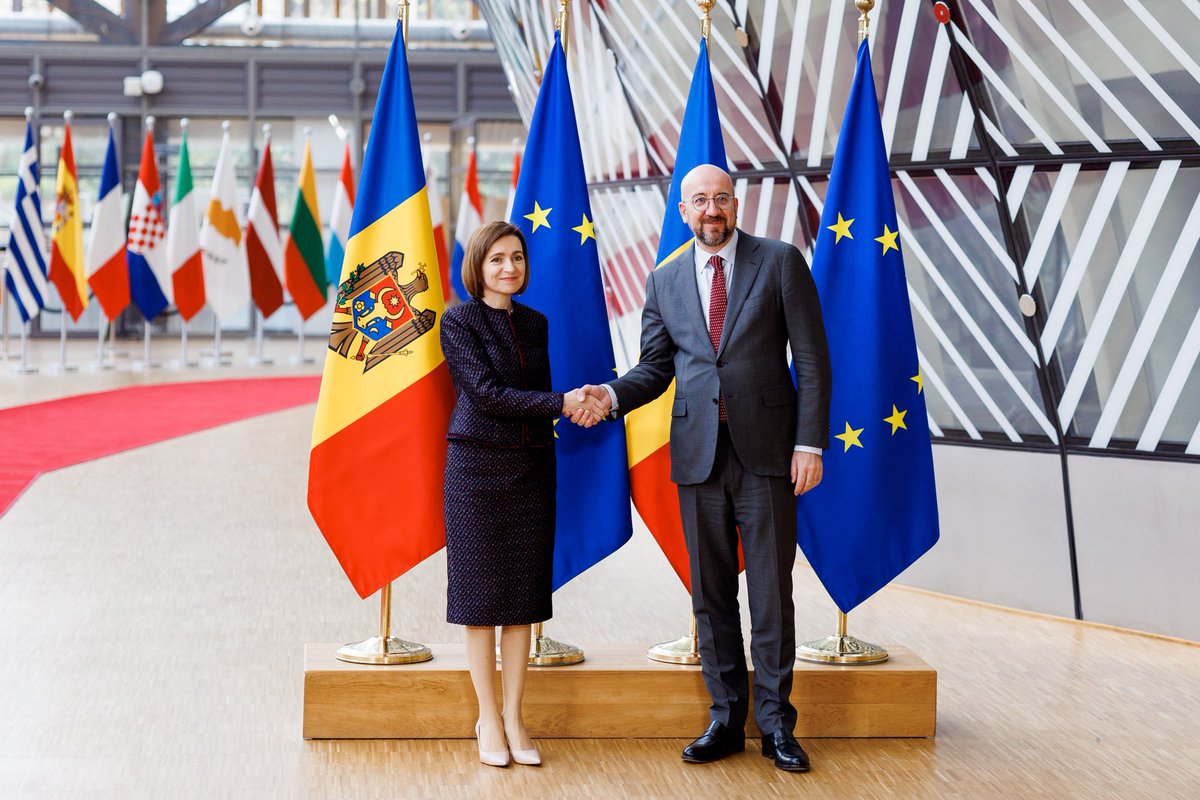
(183, 240)
(304, 259)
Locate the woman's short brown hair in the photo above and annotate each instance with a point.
(479, 244)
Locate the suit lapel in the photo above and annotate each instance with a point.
(683, 287)
(745, 267)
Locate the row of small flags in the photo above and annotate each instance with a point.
(155, 262)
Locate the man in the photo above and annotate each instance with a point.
(719, 319)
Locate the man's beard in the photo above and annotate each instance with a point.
(713, 239)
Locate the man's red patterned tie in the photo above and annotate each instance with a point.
(717, 301)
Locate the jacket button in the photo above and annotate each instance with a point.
(720, 364)
(716, 401)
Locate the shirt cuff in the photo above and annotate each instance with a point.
(803, 448)
(612, 396)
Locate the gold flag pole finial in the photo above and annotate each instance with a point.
(402, 16)
(864, 23)
(561, 20)
(706, 7)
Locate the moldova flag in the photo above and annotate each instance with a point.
(304, 256)
(66, 244)
(379, 438)
(648, 429)
(149, 268)
(875, 512)
(553, 211)
(107, 269)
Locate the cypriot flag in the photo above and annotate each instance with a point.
(226, 275)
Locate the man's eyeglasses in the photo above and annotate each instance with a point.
(700, 202)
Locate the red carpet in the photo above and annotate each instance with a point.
(46, 436)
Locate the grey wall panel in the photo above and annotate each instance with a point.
(1003, 530)
(487, 92)
(435, 88)
(191, 88)
(89, 86)
(1138, 537)
(14, 83)
(305, 88)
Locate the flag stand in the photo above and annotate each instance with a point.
(182, 362)
(215, 357)
(841, 649)
(684, 650)
(113, 352)
(547, 652)
(384, 648)
(300, 358)
(101, 363)
(62, 366)
(258, 359)
(24, 368)
(147, 362)
(4, 308)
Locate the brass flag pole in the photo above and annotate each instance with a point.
(544, 651)
(842, 648)
(685, 649)
(385, 648)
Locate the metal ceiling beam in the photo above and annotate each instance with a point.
(194, 21)
(97, 19)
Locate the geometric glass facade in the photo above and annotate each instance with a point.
(1040, 147)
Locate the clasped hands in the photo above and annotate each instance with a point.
(586, 405)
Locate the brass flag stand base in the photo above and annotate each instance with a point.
(546, 652)
(684, 650)
(384, 648)
(841, 649)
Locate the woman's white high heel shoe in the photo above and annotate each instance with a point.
(493, 758)
(529, 758)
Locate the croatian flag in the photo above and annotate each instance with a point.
(149, 269)
(470, 217)
(107, 270)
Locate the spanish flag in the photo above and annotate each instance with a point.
(66, 251)
(648, 429)
(379, 438)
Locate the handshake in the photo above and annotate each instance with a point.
(587, 405)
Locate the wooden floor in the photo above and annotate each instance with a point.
(154, 606)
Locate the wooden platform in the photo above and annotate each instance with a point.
(616, 693)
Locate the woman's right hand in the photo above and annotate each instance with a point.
(590, 410)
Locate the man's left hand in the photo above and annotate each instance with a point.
(807, 470)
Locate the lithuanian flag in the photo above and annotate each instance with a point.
(66, 251)
(648, 429)
(379, 438)
(304, 258)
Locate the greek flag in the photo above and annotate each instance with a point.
(25, 267)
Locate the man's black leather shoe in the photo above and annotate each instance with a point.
(716, 742)
(786, 751)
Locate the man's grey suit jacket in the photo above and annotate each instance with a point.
(772, 302)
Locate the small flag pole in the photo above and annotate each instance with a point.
(4, 305)
(686, 649)
(300, 358)
(385, 648)
(259, 359)
(24, 368)
(842, 648)
(147, 361)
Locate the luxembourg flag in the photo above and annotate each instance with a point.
(149, 269)
(339, 221)
(107, 269)
(470, 217)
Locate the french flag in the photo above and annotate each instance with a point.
(149, 269)
(339, 222)
(107, 270)
(470, 218)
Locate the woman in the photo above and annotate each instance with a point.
(500, 480)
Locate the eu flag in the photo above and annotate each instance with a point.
(551, 208)
(875, 512)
